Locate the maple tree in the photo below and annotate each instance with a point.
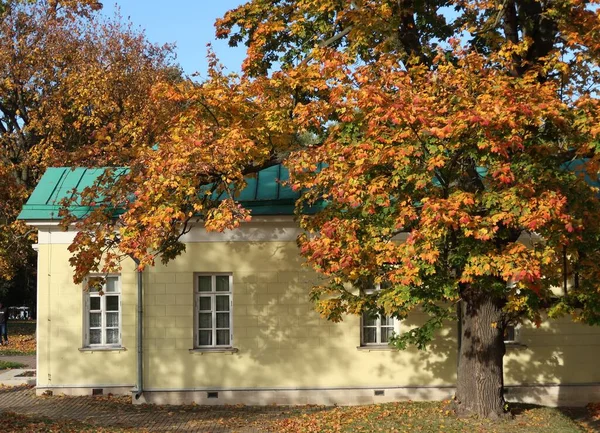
(476, 136)
(73, 90)
(463, 133)
(217, 132)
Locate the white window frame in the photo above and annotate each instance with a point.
(87, 295)
(395, 326)
(516, 334)
(212, 294)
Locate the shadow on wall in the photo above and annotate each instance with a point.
(281, 341)
(60, 330)
(436, 363)
(313, 352)
(284, 336)
(560, 352)
(61, 363)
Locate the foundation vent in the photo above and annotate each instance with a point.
(97, 391)
(379, 392)
(212, 394)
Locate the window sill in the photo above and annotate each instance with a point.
(202, 351)
(514, 345)
(377, 348)
(102, 349)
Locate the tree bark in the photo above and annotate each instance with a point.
(480, 371)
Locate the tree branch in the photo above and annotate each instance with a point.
(327, 42)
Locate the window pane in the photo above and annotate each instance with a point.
(94, 302)
(222, 283)
(222, 320)
(112, 284)
(205, 320)
(95, 336)
(223, 337)
(204, 283)
(205, 303)
(222, 303)
(370, 335)
(509, 333)
(95, 320)
(112, 320)
(386, 333)
(369, 319)
(387, 321)
(205, 338)
(94, 284)
(112, 303)
(112, 336)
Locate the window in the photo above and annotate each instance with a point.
(102, 316)
(376, 329)
(511, 334)
(213, 304)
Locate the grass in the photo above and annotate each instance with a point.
(389, 417)
(6, 365)
(21, 338)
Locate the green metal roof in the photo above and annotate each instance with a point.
(264, 194)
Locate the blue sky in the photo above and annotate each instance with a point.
(187, 23)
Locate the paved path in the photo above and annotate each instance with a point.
(116, 412)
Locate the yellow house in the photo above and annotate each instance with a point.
(230, 321)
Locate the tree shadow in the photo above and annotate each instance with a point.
(282, 343)
(560, 352)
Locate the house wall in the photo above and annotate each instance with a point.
(285, 352)
(61, 360)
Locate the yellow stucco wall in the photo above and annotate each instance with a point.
(60, 328)
(560, 351)
(281, 341)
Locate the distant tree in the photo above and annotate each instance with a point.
(74, 88)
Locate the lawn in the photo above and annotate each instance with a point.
(390, 417)
(426, 417)
(21, 338)
(5, 365)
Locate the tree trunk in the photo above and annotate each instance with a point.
(480, 372)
